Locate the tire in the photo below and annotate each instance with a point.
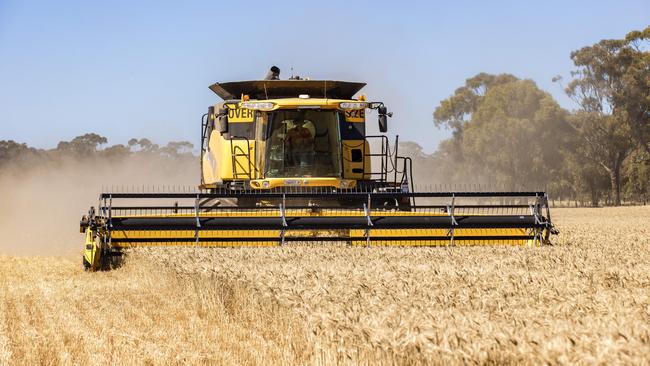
(85, 263)
(404, 204)
(116, 260)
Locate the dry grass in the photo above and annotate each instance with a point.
(52, 313)
(585, 300)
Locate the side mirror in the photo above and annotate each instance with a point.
(383, 123)
(383, 118)
(222, 120)
(211, 116)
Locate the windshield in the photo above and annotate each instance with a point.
(303, 143)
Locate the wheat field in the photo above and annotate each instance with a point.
(585, 300)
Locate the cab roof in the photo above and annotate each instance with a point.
(274, 89)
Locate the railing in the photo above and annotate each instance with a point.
(390, 162)
(236, 152)
(205, 140)
(384, 156)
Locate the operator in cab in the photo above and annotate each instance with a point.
(299, 143)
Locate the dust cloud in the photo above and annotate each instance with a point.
(40, 207)
(41, 202)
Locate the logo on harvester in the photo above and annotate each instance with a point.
(240, 115)
(292, 182)
(355, 115)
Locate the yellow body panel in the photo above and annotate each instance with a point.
(415, 233)
(236, 115)
(355, 169)
(248, 161)
(273, 212)
(357, 236)
(218, 160)
(303, 182)
(189, 234)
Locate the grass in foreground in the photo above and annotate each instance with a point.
(585, 300)
(52, 313)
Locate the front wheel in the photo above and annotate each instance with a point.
(404, 204)
(86, 264)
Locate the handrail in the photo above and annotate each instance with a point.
(204, 136)
(383, 173)
(407, 175)
(237, 152)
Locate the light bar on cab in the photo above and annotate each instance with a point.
(353, 105)
(260, 106)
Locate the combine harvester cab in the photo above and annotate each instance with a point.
(289, 161)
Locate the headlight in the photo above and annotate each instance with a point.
(353, 105)
(344, 184)
(266, 184)
(260, 106)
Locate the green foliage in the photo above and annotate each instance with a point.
(613, 77)
(637, 172)
(178, 148)
(513, 136)
(634, 96)
(509, 133)
(605, 139)
(86, 147)
(143, 145)
(611, 85)
(455, 111)
(518, 128)
(587, 179)
(11, 151)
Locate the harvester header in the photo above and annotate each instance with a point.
(289, 161)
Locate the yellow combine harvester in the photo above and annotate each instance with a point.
(290, 160)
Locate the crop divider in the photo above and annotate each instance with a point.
(197, 205)
(110, 218)
(366, 210)
(284, 220)
(450, 211)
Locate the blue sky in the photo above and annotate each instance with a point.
(141, 69)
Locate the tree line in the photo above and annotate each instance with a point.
(90, 146)
(509, 133)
